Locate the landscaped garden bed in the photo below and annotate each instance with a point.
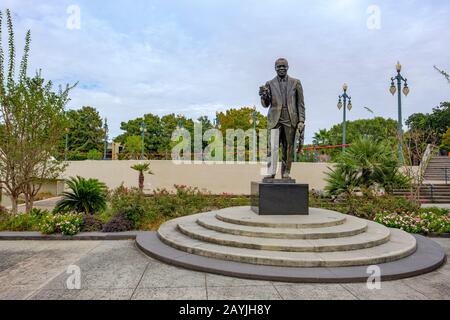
(391, 211)
(127, 209)
(89, 207)
(429, 221)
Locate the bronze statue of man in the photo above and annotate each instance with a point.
(284, 97)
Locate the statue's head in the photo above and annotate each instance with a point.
(282, 67)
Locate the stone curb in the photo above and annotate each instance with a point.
(437, 235)
(130, 235)
(428, 257)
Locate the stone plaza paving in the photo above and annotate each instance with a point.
(118, 270)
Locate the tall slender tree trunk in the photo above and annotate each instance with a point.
(14, 200)
(141, 181)
(29, 201)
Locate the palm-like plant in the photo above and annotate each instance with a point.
(321, 138)
(365, 164)
(85, 195)
(142, 168)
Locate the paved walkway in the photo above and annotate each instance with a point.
(118, 270)
(439, 205)
(47, 204)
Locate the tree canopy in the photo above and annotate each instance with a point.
(240, 119)
(85, 132)
(438, 120)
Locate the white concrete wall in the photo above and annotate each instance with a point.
(217, 178)
(6, 202)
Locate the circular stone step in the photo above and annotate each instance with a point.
(317, 218)
(376, 235)
(428, 257)
(401, 244)
(351, 227)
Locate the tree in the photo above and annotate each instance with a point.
(378, 129)
(321, 138)
(445, 144)
(32, 123)
(438, 121)
(85, 131)
(152, 134)
(418, 149)
(142, 168)
(240, 119)
(169, 123)
(206, 125)
(94, 155)
(133, 147)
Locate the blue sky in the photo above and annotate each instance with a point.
(196, 57)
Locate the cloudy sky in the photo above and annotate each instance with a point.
(196, 57)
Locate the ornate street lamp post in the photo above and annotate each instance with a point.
(254, 120)
(105, 129)
(398, 89)
(344, 97)
(143, 130)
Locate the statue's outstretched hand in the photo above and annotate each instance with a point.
(264, 92)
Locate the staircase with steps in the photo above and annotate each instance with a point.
(429, 193)
(322, 239)
(438, 170)
(436, 187)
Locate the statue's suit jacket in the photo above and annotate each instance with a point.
(295, 102)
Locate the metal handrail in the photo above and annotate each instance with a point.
(446, 174)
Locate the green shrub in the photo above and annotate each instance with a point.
(148, 212)
(76, 156)
(91, 223)
(22, 222)
(3, 210)
(38, 213)
(364, 206)
(67, 224)
(48, 224)
(118, 223)
(131, 203)
(85, 196)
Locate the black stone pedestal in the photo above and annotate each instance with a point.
(278, 198)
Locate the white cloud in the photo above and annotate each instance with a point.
(194, 57)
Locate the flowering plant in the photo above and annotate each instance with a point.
(416, 222)
(67, 224)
